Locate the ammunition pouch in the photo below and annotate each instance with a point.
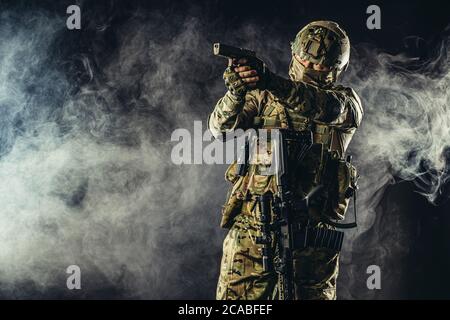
(317, 237)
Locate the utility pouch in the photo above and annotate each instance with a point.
(341, 179)
(234, 201)
(347, 178)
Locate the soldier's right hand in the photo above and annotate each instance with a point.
(240, 77)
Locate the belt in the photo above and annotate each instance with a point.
(300, 123)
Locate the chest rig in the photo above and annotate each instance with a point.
(276, 115)
(323, 167)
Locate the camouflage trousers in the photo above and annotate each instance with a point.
(242, 275)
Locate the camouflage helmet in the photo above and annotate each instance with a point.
(325, 43)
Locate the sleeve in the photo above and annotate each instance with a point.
(340, 108)
(347, 120)
(230, 114)
(337, 106)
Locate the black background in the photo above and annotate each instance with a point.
(424, 268)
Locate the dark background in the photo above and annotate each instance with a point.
(413, 28)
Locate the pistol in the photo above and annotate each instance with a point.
(235, 53)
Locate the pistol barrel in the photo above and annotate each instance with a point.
(227, 51)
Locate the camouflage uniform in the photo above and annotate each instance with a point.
(332, 113)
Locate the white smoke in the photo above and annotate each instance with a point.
(86, 178)
(404, 137)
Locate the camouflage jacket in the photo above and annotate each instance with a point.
(332, 113)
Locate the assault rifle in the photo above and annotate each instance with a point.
(284, 228)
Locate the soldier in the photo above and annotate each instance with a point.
(310, 100)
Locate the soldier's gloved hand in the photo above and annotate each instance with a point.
(239, 78)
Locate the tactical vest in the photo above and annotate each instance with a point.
(323, 164)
